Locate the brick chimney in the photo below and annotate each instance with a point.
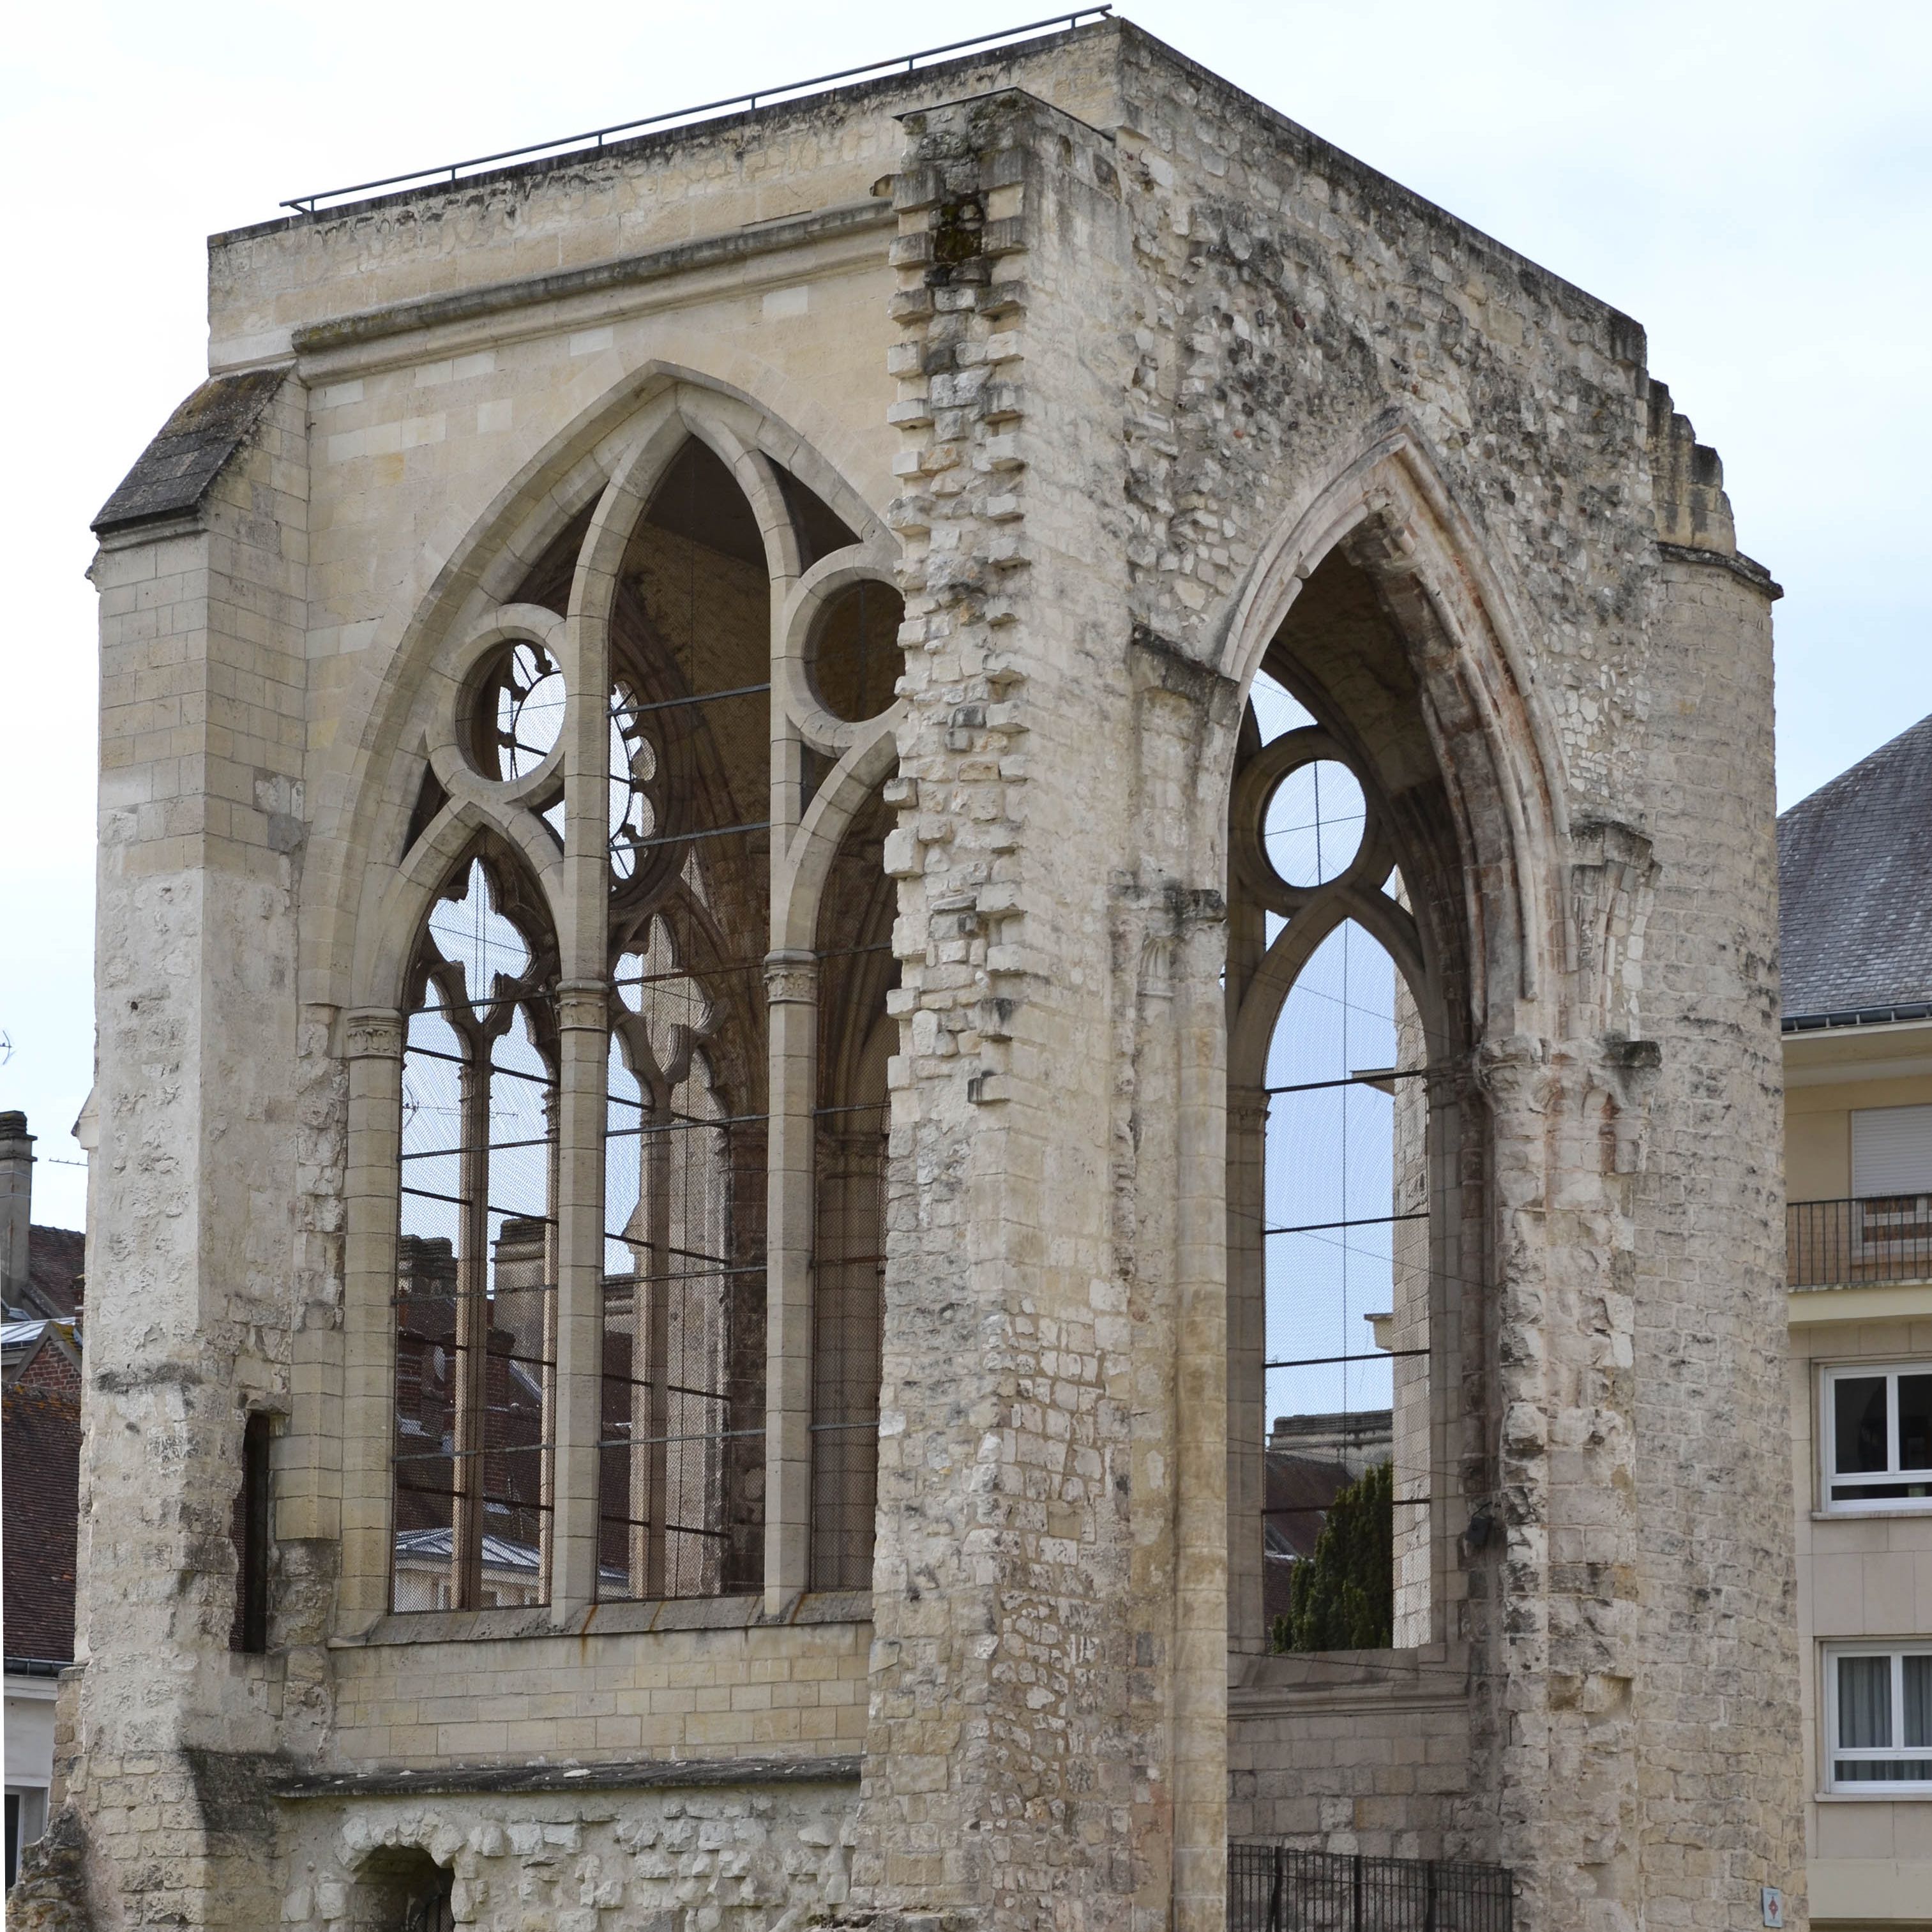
(16, 1205)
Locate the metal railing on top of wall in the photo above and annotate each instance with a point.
(1848, 1243)
(594, 138)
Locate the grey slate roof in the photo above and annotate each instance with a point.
(1855, 880)
(177, 470)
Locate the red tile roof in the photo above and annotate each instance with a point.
(56, 1257)
(39, 1516)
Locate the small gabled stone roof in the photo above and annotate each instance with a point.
(1855, 881)
(178, 468)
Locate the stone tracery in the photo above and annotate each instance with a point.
(703, 1117)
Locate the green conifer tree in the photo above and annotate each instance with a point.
(1343, 1597)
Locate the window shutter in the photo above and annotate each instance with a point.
(1891, 1150)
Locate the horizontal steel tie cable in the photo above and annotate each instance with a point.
(625, 1281)
(712, 1262)
(1360, 1221)
(670, 1388)
(1356, 1080)
(712, 972)
(681, 1124)
(668, 1529)
(1374, 1355)
(495, 1072)
(710, 832)
(696, 697)
(462, 1200)
(1319, 1509)
(488, 1449)
(705, 1435)
(487, 1147)
(493, 1354)
(540, 995)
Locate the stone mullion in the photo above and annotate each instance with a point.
(583, 1037)
(546, 1555)
(791, 1094)
(791, 987)
(583, 1032)
(650, 1391)
(373, 1047)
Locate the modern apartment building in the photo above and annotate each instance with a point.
(1855, 866)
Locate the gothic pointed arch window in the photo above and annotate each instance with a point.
(641, 1269)
(1348, 1320)
(476, 1258)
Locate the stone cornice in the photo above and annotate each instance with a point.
(622, 1774)
(627, 271)
(1747, 569)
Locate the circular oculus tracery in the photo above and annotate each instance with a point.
(517, 715)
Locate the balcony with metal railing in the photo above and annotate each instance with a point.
(1858, 1243)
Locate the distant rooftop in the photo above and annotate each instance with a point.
(1855, 878)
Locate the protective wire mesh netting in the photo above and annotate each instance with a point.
(681, 1446)
(1344, 1232)
(1278, 1888)
(848, 1303)
(476, 1296)
(1329, 1239)
(1329, 1151)
(1314, 823)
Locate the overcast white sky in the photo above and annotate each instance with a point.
(1752, 179)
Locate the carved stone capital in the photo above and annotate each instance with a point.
(582, 1006)
(791, 979)
(1247, 1109)
(372, 1032)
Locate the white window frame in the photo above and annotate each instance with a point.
(1897, 1651)
(1829, 1478)
(1891, 1178)
(1892, 1151)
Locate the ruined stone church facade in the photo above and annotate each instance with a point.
(687, 944)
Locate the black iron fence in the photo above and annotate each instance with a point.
(1845, 1243)
(1276, 1888)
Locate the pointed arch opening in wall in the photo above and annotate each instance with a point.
(475, 1303)
(1349, 1328)
(637, 1311)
